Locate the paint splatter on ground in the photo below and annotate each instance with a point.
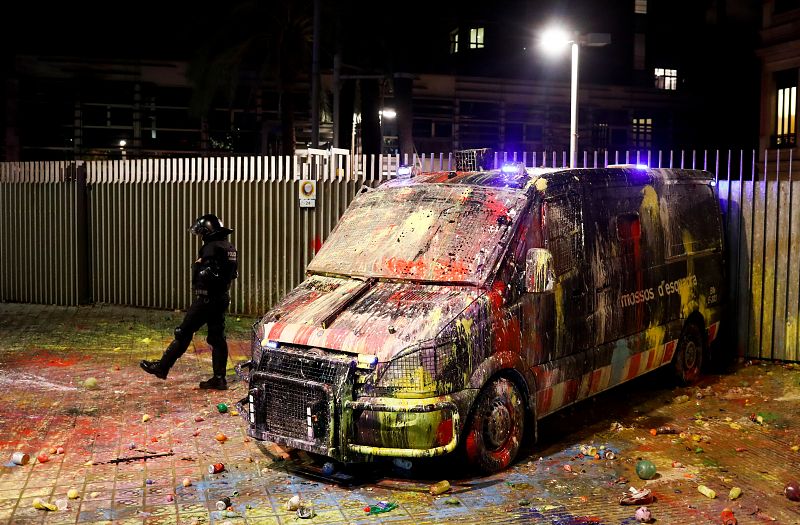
(740, 429)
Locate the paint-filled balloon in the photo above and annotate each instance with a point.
(792, 490)
(645, 469)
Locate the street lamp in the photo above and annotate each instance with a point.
(554, 40)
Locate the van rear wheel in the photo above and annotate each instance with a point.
(495, 431)
(688, 361)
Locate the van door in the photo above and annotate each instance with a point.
(563, 370)
(626, 246)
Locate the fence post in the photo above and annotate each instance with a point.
(82, 257)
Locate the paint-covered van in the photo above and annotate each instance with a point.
(453, 310)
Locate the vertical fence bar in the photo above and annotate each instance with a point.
(763, 256)
(787, 282)
(777, 251)
(752, 248)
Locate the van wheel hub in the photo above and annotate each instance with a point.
(690, 355)
(498, 425)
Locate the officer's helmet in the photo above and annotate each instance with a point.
(208, 225)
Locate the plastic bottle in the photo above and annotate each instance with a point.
(707, 492)
(440, 488)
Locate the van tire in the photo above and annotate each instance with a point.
(688, 361)
(496, 427)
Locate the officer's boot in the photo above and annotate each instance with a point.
(160, 367)
(219, 363)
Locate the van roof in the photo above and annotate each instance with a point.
(542, 177)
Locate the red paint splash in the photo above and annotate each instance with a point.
(44, 358)
(316, 244)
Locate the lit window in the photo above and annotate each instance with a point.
(476, 38)
(640, 7)
(454, 41)
(667, 79)
(643, 133)
(785, 121)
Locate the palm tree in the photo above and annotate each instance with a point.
(268, 41)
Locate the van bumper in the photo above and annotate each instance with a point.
(406, 428)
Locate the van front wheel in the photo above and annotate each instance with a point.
(689, 354)
(495, 431)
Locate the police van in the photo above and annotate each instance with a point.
(450, 311)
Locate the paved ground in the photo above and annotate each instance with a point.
(48, 353)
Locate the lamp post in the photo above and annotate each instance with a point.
(554, 40)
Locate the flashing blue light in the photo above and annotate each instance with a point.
(642, 167)
(510, 168)
(273, 344)
(404, 171)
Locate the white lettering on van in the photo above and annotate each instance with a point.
(664, 289)
(668, 288)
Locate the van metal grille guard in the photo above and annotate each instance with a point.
(294, 395)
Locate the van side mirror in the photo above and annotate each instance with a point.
(539, 274)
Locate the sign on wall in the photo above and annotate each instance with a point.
(308, 193)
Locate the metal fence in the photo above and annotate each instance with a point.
(116, 231)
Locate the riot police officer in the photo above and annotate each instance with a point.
(212, 273)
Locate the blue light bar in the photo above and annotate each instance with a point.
(512, 167)
(273, 344)
(642, 167)
(404, 171)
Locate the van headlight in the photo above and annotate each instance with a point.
(423, 370)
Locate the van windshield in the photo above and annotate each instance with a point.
(422, 232)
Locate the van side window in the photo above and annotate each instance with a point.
(694, 224)
(628, 227)
(564, 227)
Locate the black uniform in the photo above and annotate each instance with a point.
(212, 273)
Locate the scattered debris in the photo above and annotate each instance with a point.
(90, 383)
(223, 503)
(452, 501)
(735, 493)
(42, 458)
(707, 492)
(222, 407)
(305, 511)
(637, 497)
(222, 438)
(792, 490)
(643, 515)
(198, 419)
(73, 494)
(215, 468)
(440, 487)
(170, 498)
(727, 517)
(380, 507)
(20, 458)
(645, 469)
(145, 418)
(40, 504)
(187, 482)
(663, 430)
(136, 458)
(293, 503)
(681, 399)
(328, 468)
